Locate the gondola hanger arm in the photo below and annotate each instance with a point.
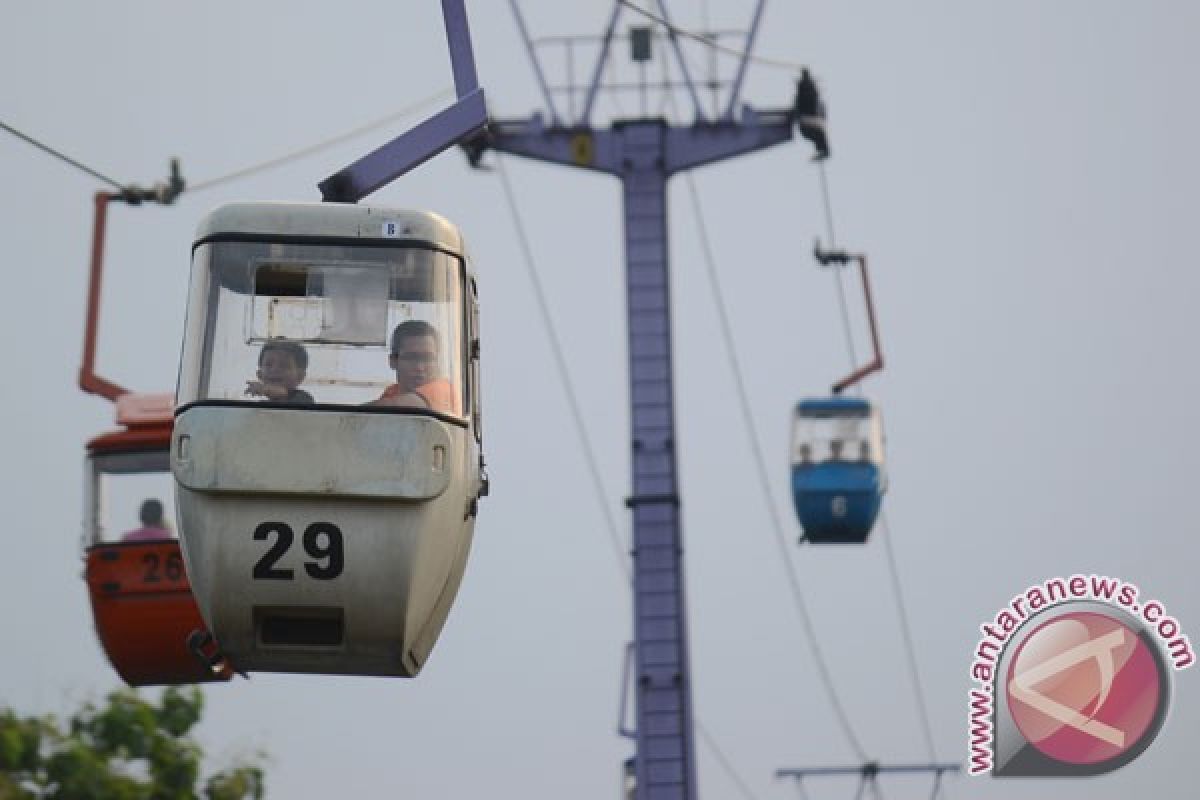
(163, 193)
(840, 258)
(458, 124)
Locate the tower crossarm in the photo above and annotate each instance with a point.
(697, 145)
(683, 146)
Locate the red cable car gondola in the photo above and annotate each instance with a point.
(141, 598)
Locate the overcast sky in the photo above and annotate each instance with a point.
(1023, 176)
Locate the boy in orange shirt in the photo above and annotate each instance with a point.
(414, 357)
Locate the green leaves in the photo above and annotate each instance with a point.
(126, 749)
(244, 781)
(20, 742)
(180, 710)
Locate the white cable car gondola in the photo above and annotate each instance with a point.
(327, 443)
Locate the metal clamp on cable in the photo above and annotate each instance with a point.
(162, 193)
(828, 257)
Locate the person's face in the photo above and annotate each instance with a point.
(279, 368)
(416, 362)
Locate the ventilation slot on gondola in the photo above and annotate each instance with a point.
(300, 627)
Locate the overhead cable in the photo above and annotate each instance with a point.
(837, 272)
(906, 631)
(560, 363)
(760, 463)
(253, 169)
(723, 760)
(62, 157)
(893, 570)
(675, 30)
(303, 152)
(585, 441)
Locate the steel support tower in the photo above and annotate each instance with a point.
(643, 153)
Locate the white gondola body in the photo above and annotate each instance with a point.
(327, 534)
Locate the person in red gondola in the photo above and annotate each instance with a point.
(154, 527)
(419, 382)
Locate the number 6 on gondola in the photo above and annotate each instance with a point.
(329, 372)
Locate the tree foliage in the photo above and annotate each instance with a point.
(126, 749)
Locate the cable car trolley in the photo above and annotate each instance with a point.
(138, 588)
(838, 475)
(327, 446)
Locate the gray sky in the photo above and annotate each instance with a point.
(1023, 176)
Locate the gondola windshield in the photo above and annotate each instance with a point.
(836, 431)
(322, 324)
(118, 487)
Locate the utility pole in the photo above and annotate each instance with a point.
(643, 153)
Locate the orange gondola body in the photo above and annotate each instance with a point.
(141, 598)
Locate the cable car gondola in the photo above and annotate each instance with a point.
(141, 600)
(838, 476)
(326, 449)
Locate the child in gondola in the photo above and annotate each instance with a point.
(281, 369)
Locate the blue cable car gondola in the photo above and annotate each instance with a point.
(838, 476)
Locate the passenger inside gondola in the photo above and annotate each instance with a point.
(419, 382)
(154, 525)
(287, 318)
(281, 369)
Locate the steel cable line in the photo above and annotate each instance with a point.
(723, 760)
(560, 364)
(564, 377)
(837, 273)
(763, 480)
(906, 630)
(62, 157)
(893, 569)
(253, 169)
(675, 30)
(319, 146)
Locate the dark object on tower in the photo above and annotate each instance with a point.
(809, 112)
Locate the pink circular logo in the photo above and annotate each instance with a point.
(1084, 688)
